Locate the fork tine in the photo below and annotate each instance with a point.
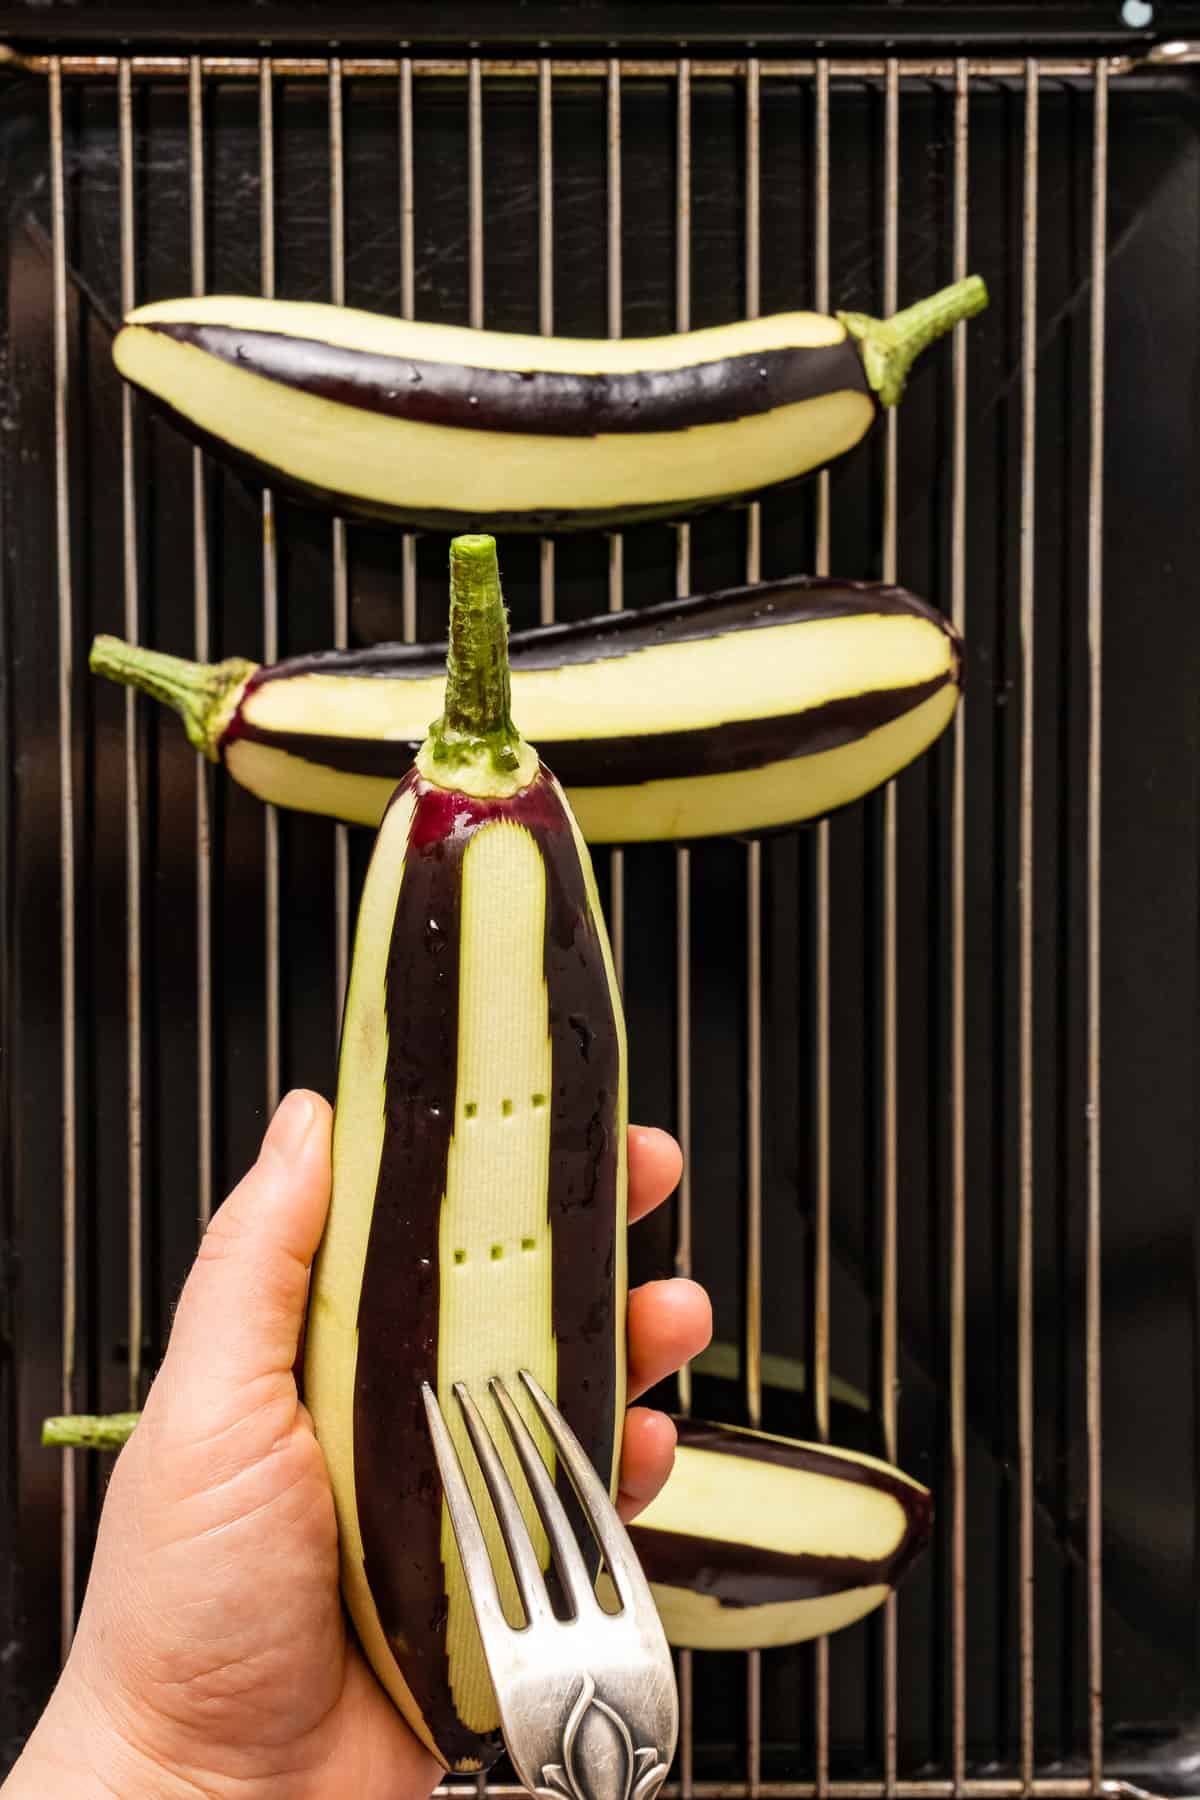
(526, 1567)
(567, 1555)
(468, 1533)
(619, 1553)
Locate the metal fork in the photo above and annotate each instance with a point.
(588, 1705)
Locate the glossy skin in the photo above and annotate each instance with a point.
(212, 1657)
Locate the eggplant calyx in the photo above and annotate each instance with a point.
(474, 746)
(89, 1431)
(889, 347)
(205, 695)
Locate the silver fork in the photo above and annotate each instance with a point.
(588, 1706)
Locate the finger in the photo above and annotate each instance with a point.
(655, 1165)
(242, 1307)
(669, 1323)
(647, 1454)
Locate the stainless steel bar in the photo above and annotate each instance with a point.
(546, 275)
(890, 1272)
(475, 185)
(133, 794)
(822, 1026)
(958, 982)
(1067, 1787)
(408, 284)
(754, 925)
(1092, 1323)
(1025, 974)
(200, 633)
(683, 884)
(341, 581)
(66, 781)
(918, 68)
(616, 541)
(475, 276)
(270, 589)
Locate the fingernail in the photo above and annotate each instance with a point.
(290, 1126)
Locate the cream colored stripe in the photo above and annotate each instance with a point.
(382, 336)
(495, 1259)
(790, 1512)
(768, 672)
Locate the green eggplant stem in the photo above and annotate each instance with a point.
(203, 694)
(476, 726)
(890, 347)
(89, 1431)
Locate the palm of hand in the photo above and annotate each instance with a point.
(212, 1646)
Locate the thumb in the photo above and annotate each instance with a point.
(241, 1311)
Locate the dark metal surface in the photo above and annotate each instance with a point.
(569, 26)
(1151, 842)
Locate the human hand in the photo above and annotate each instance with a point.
(212, 1656)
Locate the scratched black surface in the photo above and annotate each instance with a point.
(1150, 829)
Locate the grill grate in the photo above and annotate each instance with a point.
(785, 951)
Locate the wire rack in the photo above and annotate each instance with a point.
(781, 1026)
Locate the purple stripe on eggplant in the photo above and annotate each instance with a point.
(585, 1081)
(545, 521)
(400, 1498)
(795, 600)
(539, 402)
(718, 749)
(739, 1574)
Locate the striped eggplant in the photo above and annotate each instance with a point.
(477, 1224)
(759, 1540)
(377, 417)
(734, 712)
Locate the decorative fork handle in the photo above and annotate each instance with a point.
(596, 1738)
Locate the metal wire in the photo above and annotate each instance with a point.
(546, 275)
(616, 541)
(822, 1019)
(754, 922)
(133, 795)
(1067, 1787)
(1094, 819)
(958, 980)
(850, 69)
(890, 1073)
(270, 590)
(683, 884)
(341, 584)
(1025, 975)
(200, 634)
(408, 285)
(66, 787)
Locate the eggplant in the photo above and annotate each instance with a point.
(477, 1224)
(756, 1539)
(759, 1540)
(375, 417)
(740, 711)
